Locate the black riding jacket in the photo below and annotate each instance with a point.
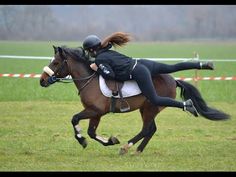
(114, 65)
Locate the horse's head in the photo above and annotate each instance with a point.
(57, 68)
(59, 65)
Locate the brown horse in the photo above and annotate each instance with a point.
(68, 61)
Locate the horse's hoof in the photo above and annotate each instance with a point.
(123, 150)
(84, 143)
(137, 152)
(81, 141)
(114, 140)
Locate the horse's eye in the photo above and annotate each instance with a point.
(55, 63)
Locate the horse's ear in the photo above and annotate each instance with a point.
(55, 49)
(60, 50)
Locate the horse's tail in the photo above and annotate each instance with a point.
(188, 91)
(116, 39)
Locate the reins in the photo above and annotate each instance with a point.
(70, 80)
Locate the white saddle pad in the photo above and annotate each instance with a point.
(129, 89)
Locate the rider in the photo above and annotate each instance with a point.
(114, 65)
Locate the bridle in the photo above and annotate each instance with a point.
(53, 76)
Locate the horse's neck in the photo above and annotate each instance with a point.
(80, 70)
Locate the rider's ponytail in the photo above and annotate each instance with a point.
(116, 39)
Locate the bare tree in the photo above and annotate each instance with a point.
(145, 22)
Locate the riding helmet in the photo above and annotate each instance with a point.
(91, 41)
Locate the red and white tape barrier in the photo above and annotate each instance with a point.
(177, 78)
(21, 75)
(206, 78)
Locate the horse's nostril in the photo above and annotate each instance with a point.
(42, 82)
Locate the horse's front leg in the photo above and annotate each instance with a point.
(85, 114)
(93, 124)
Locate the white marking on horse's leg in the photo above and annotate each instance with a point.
(130, 144)
(78, 129)
(79, 135)
(104, 140)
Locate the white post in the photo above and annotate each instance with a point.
(196, 58)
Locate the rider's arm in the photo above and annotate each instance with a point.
(103, 69)
(106, 71)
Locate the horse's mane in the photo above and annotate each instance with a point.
(76, 53)
(116, 39)
(73, 52)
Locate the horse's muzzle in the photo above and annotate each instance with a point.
(43, 83)
(50, 80)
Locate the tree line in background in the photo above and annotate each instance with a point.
(144, 22)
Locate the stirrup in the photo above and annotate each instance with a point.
(126, 108)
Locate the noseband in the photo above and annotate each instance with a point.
(53, 76)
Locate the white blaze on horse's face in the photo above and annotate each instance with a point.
(53, 58)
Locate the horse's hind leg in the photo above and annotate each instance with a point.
(152, 129)
(93, 124)
(148, 113)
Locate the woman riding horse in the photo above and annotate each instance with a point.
(68, 61)
(114, 65)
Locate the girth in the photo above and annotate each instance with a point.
(115, 87)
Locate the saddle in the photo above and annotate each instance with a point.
(115, 87)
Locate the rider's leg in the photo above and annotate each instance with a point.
(142, 76)
(161, 68)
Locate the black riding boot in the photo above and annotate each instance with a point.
(207, 65)
(188, 106)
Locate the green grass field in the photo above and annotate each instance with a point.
(35, 123)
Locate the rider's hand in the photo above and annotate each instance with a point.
(94, 67)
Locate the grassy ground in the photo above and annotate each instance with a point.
(35, 138)
(36, 133)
